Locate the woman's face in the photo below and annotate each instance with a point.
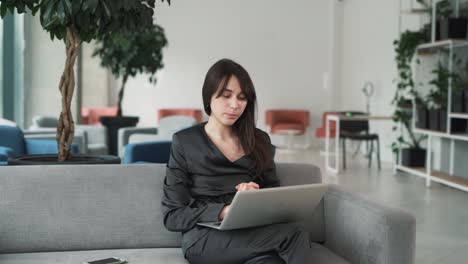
(230, 105)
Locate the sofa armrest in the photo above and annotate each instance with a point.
(125, 133)
(365, 232)
(5, 153)
(43, 146)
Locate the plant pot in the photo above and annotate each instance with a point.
(442, 120)
(453, 28)
(465, 96)
(113, 123)
(422, 117)
(413, 157)
(458, 125)
(458, 101)
(434, 119)
(52, 159)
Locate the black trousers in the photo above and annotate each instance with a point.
(279, 243)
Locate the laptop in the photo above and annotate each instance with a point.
(271, 206)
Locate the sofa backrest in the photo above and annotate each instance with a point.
(84, 207)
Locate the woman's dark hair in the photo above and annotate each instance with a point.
(253, 141)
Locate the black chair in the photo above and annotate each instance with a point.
(358, 130)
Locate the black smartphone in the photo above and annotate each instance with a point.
(107, 261)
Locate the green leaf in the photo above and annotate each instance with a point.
(61, 12)
(106, 9)
(3, 9)
(67, 4)
(93, 5)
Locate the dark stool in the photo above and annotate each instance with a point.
(358, 130)
(362, 137)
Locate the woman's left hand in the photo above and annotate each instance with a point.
(245, 186)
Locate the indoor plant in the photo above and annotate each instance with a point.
(448, 24)
(405, 47)
(126, 54)
(438, 98)
(74, 22)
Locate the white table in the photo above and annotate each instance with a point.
(337, 118)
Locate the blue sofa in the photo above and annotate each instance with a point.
(13, 143)
(147, 152)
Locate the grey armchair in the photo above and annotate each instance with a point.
(166, 127)
(93, 138)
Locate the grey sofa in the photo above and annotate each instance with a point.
(71, 214)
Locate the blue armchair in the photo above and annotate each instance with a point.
(147, 152)
(13, 143)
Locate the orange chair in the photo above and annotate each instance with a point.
(288, 122)
(195, 113)
(91, 115)
(321, 131)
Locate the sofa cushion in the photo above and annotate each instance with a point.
(297, 174)
(321, 255)
(133, 256)
(82, 207)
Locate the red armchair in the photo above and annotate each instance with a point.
(195, 113)
(280, 120)
(91, 115)
(288, 122)
(321, 131)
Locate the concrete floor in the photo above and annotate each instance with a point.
(441, 212)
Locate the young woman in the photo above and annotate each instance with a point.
(212, 161)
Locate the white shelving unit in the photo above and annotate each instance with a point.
(428, 173)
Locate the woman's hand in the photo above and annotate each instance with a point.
(245, 186)
(224, 212)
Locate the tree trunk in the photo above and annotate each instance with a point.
(66, 125)
(121, 95)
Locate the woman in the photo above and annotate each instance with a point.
(210, 162)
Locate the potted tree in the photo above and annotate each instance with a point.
(413, 154)
(127, 54)
(448, 25)
(75, 22)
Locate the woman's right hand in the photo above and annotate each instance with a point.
(224, 212)
(245, 186)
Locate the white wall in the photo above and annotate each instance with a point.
(95, 87)
(1, 69)
(369, 28)
(283, 45)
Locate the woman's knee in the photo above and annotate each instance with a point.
(272, 258)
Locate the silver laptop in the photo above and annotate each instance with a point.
(270, 206)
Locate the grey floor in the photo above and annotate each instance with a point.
(441, 212)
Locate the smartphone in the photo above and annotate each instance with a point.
(107, 261)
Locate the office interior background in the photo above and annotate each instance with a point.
(309, 55)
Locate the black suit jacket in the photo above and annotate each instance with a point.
(200, 181)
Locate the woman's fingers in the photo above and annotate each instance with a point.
(254, 185)
(247, 186)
